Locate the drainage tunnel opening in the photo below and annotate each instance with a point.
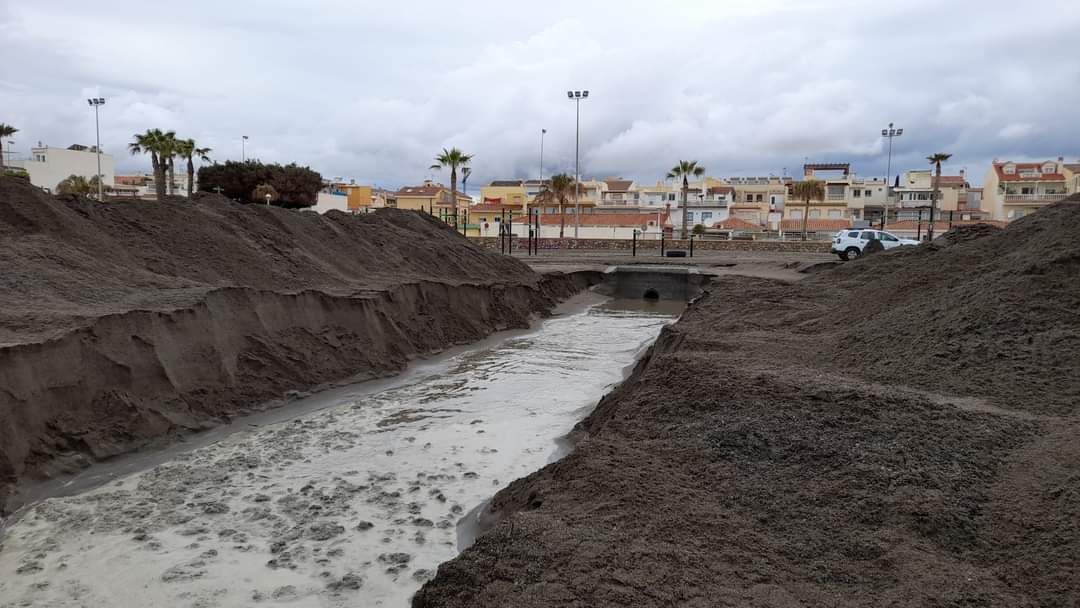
(651, 294)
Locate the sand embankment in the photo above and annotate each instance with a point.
(899, 431)
(126, 323)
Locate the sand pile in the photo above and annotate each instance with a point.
(124, 322)
(71, 258)
(898, 431)
(991, 311)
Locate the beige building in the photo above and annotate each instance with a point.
(1012, 190)
(433, 198)
(917, 187)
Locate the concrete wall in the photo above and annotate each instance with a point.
(49, 166)
(570, 244)
(331, 202)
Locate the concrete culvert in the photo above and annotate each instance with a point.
(651, 294)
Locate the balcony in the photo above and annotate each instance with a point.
(1034, 199)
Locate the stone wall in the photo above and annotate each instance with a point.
(567, 244)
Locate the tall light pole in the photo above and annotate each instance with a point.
(576, 97)
(243, 148)
(465, 173)
(96, 103)
(889, 133)
(543, 132)
(539, 186)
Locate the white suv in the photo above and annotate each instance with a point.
(849, 244)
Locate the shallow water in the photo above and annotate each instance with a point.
(354, 503)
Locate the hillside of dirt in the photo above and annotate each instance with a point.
(125, 322)
(897, 431)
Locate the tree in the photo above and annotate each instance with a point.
(187, 150)
(264, 192)
(699, 229)
(935, 160)
(454, 159)
(6, 131)
(558, 189)
(158, 144)
(170, 148)
(296, 186)
(808, 190)
(685, 169)
(75, 184)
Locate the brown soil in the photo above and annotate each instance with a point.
(125, 322)
(897, 431)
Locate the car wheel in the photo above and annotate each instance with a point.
(853, 253)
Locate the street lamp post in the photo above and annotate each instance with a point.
(96, 103)
(889, 133)
(543, 132)
(243, 148)
(576, 97)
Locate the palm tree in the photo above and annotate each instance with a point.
(685, 169)
(936, 161)
(454, 159)
(558, 189)
(169, 151)
(158, 144)
(6, 131)
(76, 184)
(187, 150)
(808, 190)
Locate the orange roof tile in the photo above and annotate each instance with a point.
(814, 224)
(999, 168)
(735, 223)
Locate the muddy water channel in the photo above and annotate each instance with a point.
(353, 502)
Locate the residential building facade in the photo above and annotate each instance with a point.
(1012, 190)
(49, 166)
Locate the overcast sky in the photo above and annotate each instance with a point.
(373, 90)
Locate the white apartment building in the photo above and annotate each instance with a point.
(48, 166)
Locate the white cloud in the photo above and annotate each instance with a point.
(1018, 130)
(374, 90)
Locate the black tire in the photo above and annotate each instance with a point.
(852, 253)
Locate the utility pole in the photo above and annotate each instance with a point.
(888, 133)
(577, 96)
(96, 103)
(243, 148)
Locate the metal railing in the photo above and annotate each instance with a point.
(1044, 197)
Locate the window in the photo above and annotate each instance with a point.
(690, 216)
(885, 236)
(853, 235)
(749, 197)
(706, 216)
(868, 236)
(552, 210)
(835, 214)
(868, 192)
(857, 193)
(671, 197)
(760, 198)
(1010, 169)
(796, 214)
(815, 214)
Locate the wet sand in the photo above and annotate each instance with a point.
(354, 501)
